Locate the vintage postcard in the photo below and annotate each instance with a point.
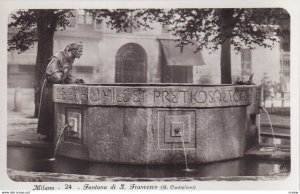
(149, 95)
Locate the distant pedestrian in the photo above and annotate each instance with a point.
(267, 86)
(58, 71)
(282, 84)
(275, 88)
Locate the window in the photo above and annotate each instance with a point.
(84, 69)
(88, 19)
(72, 21)
(285, 46)
(128, 30)
(165, 29)
(27, 68)
(84, 18)
(285, 63)
(98, 26)
(134, 27)
(131, 64)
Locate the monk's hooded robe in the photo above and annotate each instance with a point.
(58, 72)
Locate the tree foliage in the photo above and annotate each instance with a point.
(28, 23)
(209, 29)
(204, 27)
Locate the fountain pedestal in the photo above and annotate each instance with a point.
(142, 124)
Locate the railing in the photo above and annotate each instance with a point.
(285, 63)
(279, 104)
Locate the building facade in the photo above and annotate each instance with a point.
(138, 56)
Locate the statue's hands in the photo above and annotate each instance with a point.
(79, 81)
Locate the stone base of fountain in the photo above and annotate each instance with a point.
(267, 151)
(142, 124)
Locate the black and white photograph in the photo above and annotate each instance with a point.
(150, 97)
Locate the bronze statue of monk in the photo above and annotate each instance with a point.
(58, 72)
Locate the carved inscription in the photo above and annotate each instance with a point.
(170, 96)
(71, 94)
(128, 95)
(201, 96)
(154, 96)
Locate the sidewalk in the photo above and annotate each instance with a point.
(21, 131)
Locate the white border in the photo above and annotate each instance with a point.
(293, 7)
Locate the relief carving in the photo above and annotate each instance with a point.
(155, 96)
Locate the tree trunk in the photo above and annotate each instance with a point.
(227, 25)
(226, 62)
(44, 52)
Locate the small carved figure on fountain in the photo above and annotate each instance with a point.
(242, 82)
(58, 71)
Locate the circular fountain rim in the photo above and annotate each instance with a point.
(157, 84)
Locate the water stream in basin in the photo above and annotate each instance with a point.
(270, 122)
(58, 141)
(185, 156)
(42, 90)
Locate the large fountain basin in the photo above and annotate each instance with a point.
(146, 123)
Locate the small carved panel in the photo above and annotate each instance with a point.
(74, 119)
(175, 128)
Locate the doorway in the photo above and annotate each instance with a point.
(131, 64)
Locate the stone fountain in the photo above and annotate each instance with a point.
(145, 124)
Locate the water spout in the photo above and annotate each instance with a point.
(58, 141)
(270, 122)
